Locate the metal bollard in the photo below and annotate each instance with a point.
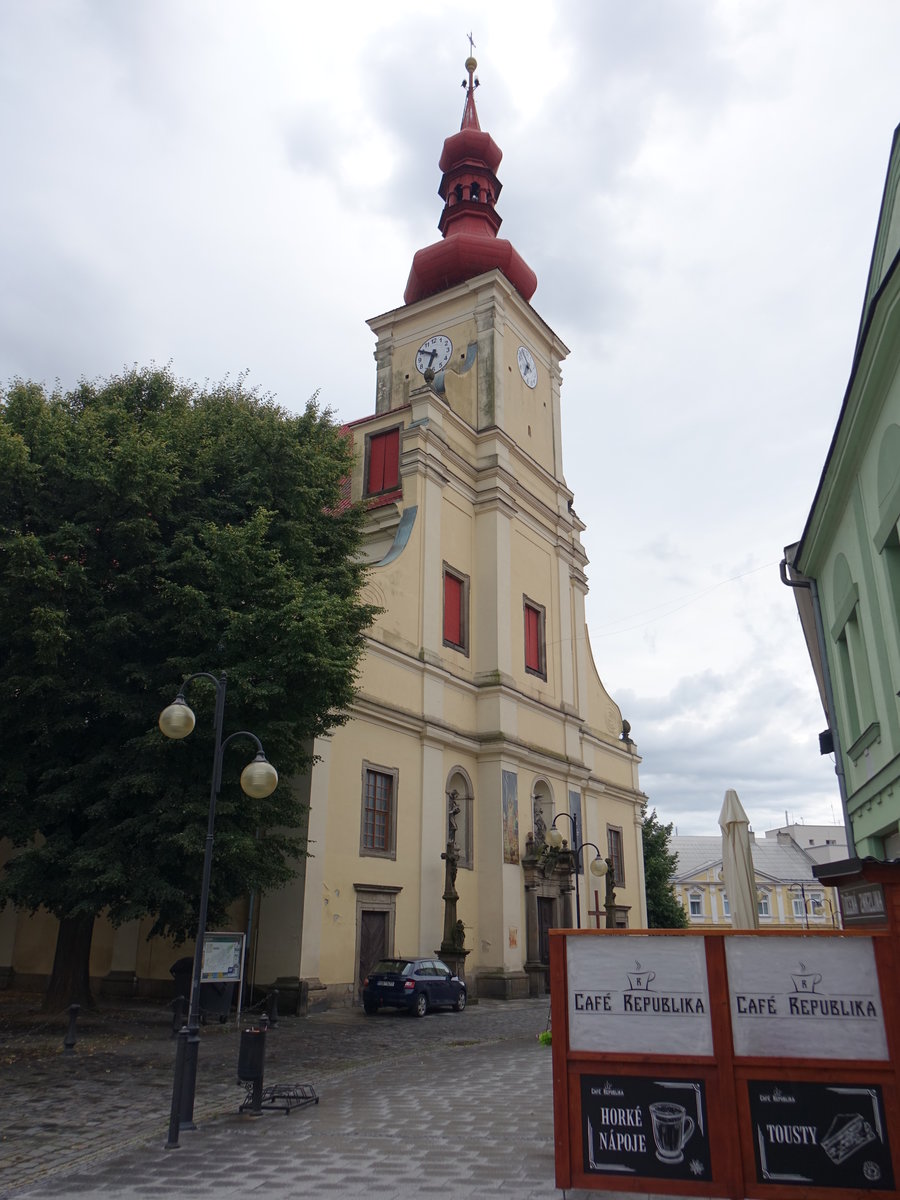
(272, 1004)
(70, 1039)
(177, 1086)
(264, 1021)
(179, 1005)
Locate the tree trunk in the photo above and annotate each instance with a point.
(70, 980)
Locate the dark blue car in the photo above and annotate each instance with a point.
(415, 984)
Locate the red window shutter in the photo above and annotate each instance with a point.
(376, 464)
(391, 459)
(532, 638)
(452, 609)
(384, 462)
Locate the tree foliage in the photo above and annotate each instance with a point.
(149, 530)
(663, 909)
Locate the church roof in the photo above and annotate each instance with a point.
(469, 222)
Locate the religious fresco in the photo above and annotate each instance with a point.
(510, 817)
(576, 830)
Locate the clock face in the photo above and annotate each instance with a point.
(527, 366)
(434, 354)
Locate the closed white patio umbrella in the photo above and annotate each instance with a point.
(737, 863)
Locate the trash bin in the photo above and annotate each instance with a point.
(252, 1055)
(216, 999)
(181, 972)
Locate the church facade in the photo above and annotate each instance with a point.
(480, 715)
(481, 725)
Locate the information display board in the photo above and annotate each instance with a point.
(644, 1126)
(803, 997)
(820, 1135)
(223, 958)
(644, 994)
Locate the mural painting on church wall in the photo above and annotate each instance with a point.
(577, 835)
(510, 801)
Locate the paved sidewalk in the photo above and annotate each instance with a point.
(454, 1105)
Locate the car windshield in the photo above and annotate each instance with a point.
(393, 966)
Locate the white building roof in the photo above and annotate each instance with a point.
(778, 860)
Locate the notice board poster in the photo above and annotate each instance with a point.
(223, 956)
(820, 1135)
(638, 995)
(802, 997)
(644, 1126)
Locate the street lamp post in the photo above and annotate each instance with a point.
(814, 900)
(793, 888)
(258, 780)
(598, 865)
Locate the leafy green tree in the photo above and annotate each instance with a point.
(149, 530)
(663, 909)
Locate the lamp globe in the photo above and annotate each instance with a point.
(259, 778)
(177, 721)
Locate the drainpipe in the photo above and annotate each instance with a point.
(831, 711)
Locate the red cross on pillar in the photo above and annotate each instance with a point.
(596, 911)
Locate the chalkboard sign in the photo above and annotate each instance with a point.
(820, 1135)
(644, 1126)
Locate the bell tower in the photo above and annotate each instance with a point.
(467, 329)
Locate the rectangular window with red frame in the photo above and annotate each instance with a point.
(383, 462)
(456, 610)
(535, 638)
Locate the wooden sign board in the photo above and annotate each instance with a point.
(862, 904)
(725, 1064)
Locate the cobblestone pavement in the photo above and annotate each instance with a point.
(456, 1105)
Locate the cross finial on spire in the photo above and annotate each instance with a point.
(470, 117)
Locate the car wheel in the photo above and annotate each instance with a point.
(420, 1005)
(370, 1009)
(460, 1002)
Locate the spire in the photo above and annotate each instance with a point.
(469, 223)
(470, 115)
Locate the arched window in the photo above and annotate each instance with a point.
(853, 662)
(887, 535)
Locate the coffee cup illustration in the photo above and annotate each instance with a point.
(672, 1130)
(639, 980)
(806, 981)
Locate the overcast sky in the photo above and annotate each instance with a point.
(235, 187)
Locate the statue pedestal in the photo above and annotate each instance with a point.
(455, 959)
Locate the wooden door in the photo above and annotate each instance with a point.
(373, 930)
(546, 906)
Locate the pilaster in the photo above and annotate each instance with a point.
(121, 979)
(8, 921)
